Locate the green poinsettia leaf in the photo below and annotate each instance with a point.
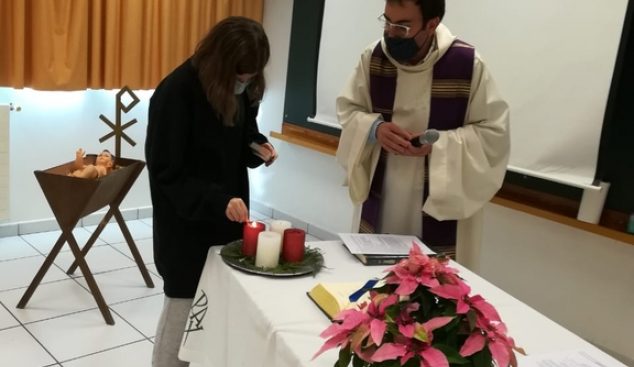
(358, 362)
(344, 357)
(453, 355)
(450, 308)
(482, 358)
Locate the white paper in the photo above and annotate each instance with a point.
(381, 244)
(576, 358)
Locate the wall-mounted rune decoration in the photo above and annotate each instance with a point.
(117, 127)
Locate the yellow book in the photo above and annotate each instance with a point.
(333, 298)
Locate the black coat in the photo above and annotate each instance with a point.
(196, 166)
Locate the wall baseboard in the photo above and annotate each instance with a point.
(310, 228)
(49, 225)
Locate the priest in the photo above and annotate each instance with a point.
(419, 76)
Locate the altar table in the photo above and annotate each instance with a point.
(240, 320)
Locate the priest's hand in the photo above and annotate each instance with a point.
(393, 138)
(237, 211)
(421, 151)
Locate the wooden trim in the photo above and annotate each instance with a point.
(544, 205)
(307, 138)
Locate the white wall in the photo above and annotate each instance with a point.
(583, 281)
(301, 182)
(48, 131)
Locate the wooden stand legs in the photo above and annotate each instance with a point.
(80, 260)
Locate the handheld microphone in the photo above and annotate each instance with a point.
(427, 138)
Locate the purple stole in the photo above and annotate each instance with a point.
(451, 88)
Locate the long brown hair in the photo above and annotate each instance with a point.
(236, 45)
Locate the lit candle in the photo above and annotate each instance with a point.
(293, 245)
(280, 226)
(250, 233)
(268, 251)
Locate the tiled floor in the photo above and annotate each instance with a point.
(61, 325)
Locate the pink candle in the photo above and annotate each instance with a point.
(250, 233)
(293, 245)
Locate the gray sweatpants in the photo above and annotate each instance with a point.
(169, 333)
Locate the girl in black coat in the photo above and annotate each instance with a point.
(202, 120)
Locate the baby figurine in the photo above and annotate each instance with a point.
(103, 165)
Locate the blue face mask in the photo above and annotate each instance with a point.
(241, 86)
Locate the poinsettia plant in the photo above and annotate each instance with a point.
(422, 314)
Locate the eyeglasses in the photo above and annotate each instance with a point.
(399, 29)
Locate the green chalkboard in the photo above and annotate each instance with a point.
(616, 153)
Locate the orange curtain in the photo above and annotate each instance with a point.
(104, 44)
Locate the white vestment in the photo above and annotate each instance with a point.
(467, 165)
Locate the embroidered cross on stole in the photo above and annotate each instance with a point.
(451, 88)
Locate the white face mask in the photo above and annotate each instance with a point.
(241, 86)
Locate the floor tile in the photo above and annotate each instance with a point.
(112, 233)
(145, 247)
(44, 241)
(19, 349)
(148, 221)
(15, 248)
(132, 355)
(81, 334)
(142, 313)
(49, 301)
(124, 285)
(99, 260)
(152, 269)
(6, 319)
(19, 273)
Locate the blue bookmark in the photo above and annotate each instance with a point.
(354, 297)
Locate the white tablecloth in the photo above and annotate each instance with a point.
(257, 321)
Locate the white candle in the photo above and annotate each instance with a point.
(268, 251)
(280, 226)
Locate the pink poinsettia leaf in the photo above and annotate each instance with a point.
(354, 319)
(333, 329)
(428, 281)
(462, 307)
(389, 351)
(500, 352)
(393, 299)
(448, 291)
(407, 357)
(436, 323)
(366, 354)
(474, 343)
(344, 314)
(434, 357)
(485, 308)
(415, 250)
(377, 330)
(407, 330)
(407, 287)
(331, 343)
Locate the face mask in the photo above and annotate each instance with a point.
(241, 86)
(402, 49)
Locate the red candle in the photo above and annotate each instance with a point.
(250, 233)
(293, 245)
